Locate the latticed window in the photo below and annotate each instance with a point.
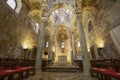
(89, 26)
(12, 4)
(16, 5)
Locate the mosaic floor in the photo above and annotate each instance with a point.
(60, 76)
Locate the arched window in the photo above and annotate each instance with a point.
(36, 27)
(12, 4)
(89, 26)
(15, 5)
(62, 45)
(47, 44)
(78, 44)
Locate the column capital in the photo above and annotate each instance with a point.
(44, 24)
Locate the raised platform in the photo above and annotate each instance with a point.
(62, 68)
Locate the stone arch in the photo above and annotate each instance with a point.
(60, 5)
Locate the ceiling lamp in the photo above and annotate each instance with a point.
(67, 10)
(56, 11)
(62, 18)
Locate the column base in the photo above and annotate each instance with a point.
(86, 72)
(37, 71)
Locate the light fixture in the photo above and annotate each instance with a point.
(78, 44)
(88, 49)
(37, 25)
(25, 46)
(56, 11)
(101, 44)
(62, 18)
(67, 10)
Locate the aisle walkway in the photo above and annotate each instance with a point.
(60, 76)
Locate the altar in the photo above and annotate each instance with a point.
(62, 60)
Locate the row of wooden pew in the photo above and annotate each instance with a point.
(13, 63)
(115, 64)
(16, 69)
(104, 74)
(16, 74)
(105, 69)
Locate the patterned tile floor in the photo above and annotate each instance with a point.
(60, 76)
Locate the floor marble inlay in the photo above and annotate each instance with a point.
(60, 76)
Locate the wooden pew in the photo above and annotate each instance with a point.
(11, 74)
(79, 63)
(104, 74)
(16, 69)
(116, 65)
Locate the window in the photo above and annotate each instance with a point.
(47, 44)
(15, 5)
(36, 27)
(62, 45)
(12, 4)
(89, 26)
(78, 44)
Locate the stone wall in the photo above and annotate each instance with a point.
(104, 17)
(15, 31)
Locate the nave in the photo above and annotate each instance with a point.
(61, 76)
(60, 39)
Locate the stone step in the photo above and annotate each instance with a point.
(54, 69)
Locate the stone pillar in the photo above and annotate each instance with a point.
(38, 64)
(50, 49)
(51, 45)
(73, 48)
(52, 54)
(86, 60)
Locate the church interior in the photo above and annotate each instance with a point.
(59, 39)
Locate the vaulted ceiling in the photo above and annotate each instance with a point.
(60, 14)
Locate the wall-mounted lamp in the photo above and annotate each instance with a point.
(100, 44)
(88, 49)
(53, 49)
(78, 44)
(25, 46)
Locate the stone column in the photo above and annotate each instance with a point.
(52, 55)
(73, 47)
(51, 45)
(50, 51)
(38, 64)
(86, 60)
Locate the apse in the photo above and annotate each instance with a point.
(62, 43)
